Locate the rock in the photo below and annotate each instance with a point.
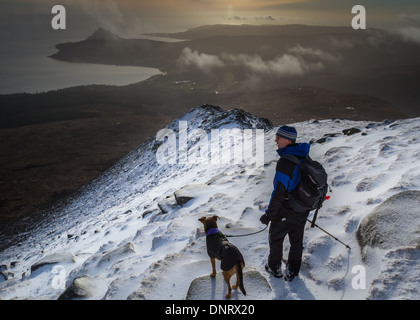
(117, 253)
(208, 288)
(393, 224)
(84, 287)
(182, 199)
(63, 257)
(326, 137)
(3, 276)
(168, 205)
(377, 124)
(189, 192)
(351, 131)
(146, 213)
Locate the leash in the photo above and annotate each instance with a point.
(244, 235)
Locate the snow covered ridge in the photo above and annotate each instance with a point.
(134, 232)
(234, 137)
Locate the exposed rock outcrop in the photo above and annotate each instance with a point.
(390, 227)
(207, 288)
(61, 257)
(84, 287)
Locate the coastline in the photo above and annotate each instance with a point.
(57, 74)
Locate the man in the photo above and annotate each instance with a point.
(285, 221)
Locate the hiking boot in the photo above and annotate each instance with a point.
(277, 273)
(289, 276)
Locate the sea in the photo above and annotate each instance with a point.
(25, 65)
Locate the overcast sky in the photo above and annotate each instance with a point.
(137, 16)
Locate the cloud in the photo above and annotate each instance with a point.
(412, 19)
(410, 33)
(314, 53)
(202, 61)
(284, 65)
(268, 18)
(298, 61)
(238, 18)
(106, 13)
(341, 43)
(411, 29)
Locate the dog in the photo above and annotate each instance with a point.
(218, 247)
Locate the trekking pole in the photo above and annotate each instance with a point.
(347, 246)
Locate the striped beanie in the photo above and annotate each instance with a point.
(287, 132)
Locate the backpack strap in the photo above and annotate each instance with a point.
(292, 158)
(296, 161)
(314, 218)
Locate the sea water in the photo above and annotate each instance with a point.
(34, 74)
(25, 65)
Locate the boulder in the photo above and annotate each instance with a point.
(393, 224)
(3, 276)
(84, 287)
(351, 131)
(168, 206)
(62, 257)
(189, 192)
(208, 288)
(117, 253)
(326, 137)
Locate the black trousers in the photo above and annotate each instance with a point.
(293, 225)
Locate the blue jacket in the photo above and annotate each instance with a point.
(286, 179)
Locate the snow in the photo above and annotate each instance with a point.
(120, 237)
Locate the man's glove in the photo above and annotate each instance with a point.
(265, 219)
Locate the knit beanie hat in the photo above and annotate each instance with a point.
(287, 132)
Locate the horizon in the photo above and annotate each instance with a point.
(127, 16)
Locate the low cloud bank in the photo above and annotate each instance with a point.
(202, 61)
(297, 61)
(410, 34)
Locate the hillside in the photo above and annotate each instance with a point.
(210, 31)
(128, 237)
(56, 142)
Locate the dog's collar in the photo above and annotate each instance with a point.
(212, 231)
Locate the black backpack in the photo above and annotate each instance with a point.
(311, 192)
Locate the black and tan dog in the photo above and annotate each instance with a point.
(218, 247)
